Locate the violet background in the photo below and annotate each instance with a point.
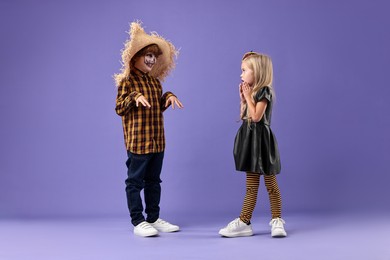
(62, 152)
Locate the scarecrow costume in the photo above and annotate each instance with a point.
(143, 127)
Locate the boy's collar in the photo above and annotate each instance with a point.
(139, 72)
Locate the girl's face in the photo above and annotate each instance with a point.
(145, 63)
(247, 74)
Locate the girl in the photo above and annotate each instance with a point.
(255, 146)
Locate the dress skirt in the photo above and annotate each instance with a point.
(256, 149)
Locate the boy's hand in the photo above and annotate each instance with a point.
(143, 101)
(173, 100)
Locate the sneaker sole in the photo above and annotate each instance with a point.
(279, 234)
(168, 230)
(240, 234)
(153, 234)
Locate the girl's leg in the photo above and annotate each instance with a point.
(274, 195)
(277, 223)
(252, 188)
(241, 227)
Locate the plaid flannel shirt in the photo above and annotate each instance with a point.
(143, 127)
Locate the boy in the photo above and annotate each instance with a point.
(147, 59)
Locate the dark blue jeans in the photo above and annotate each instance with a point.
(144, 173)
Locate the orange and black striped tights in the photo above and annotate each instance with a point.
(252, 188)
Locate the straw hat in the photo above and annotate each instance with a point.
(138, 40)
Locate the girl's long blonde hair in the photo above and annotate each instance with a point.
(261, 65)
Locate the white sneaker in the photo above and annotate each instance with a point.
(164, 226)
(144, 229)
(277, 227)
(236, 228)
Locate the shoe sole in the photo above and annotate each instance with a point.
(279, 234)
(168, 230)
(148, 235)
(240, 234)
(153, 234)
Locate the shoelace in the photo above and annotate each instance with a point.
(234, 223)
(276, 221)
(160, 221)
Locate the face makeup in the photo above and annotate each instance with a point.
(150, 60)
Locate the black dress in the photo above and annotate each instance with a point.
(255, 146)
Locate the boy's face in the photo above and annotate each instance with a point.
(146, 62)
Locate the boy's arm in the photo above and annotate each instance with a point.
(125, 99)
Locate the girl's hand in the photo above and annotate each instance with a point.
(242, 98)
(141, 99)
(173, 100)
(246, 90)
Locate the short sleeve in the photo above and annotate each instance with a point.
(263, 93)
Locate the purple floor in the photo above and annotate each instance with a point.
(310, 236)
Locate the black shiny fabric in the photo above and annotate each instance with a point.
(255, 146)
